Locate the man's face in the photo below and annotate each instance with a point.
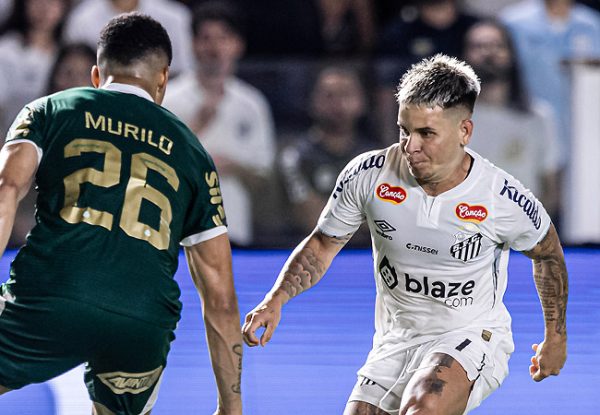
(217, 48)
(432, 140)
(487, 51)
(338, 99)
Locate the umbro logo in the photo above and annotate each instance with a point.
(383, 227)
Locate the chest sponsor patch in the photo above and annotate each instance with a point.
(466, 248)
(471, 213)
(392, 194)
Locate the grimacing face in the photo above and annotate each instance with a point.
(433, 140)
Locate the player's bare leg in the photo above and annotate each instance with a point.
(439, 387)
(99, 409)
(363, 408)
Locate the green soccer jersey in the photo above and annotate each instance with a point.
(121, 182)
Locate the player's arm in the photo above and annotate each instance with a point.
(550, 274)
(210, 267)
(18, 164)
(304, 268)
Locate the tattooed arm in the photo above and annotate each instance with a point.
(210, 267)
(304, 268)
(550, 274)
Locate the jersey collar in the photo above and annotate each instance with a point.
(128, 89)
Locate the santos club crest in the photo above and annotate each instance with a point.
(466, 247)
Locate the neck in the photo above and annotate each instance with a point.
(558, 9)
(212, 83)
(336, 141)
(456, 177)
(134, 81)
(495, 93)
(42, 40)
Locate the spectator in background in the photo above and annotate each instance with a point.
(5, 9)
(28, 46)
(438, 26)
(423, 29)
(71, 68)
(509, 129)
(310, 28)
(310, 164)
(547, 33)
(231, 118)
(486, 8)
(89, 16)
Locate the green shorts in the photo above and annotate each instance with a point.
(43, 337)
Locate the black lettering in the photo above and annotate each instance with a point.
(409, 282)
(454, 286)
(467, 289)
(438, 289)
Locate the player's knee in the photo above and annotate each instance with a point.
(423, 405)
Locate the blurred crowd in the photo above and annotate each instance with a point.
(283, 93)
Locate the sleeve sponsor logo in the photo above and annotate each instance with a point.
(389, 193)
(468, 213)
(529, 207)
(375, 161)
(212, 180)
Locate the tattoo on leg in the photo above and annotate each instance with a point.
(434, 384)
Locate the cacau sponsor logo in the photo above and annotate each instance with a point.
(475, 213)
(389, 193)
(529, 206)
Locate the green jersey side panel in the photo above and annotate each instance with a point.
(121, 182)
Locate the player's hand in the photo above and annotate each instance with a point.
(267, 314)
(549, 358)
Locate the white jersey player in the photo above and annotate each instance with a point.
(442, 221)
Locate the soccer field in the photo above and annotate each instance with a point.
(309, 366)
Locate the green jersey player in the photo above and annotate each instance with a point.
(122, 184)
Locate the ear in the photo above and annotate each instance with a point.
(466, 131)
(161, 85)
(95, 76)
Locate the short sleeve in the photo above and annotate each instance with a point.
(205, 218)
(29, 123)
(521, 220)
(344, 212)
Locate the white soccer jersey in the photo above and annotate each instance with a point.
(440, 262)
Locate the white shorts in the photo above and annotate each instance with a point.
(389, 367)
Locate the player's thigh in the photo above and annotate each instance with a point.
(126, 377)
(363, 408)
(439, 386)
(39, 340)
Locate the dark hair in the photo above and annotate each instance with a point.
(63, 53)
(442, 81)
(131, 36)
(17, 21)
(220, 11)
(518, 97)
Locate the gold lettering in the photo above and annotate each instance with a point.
(214, 191)
(211, 179)
(165, 145)
(99, 124)
(215, 200)
(143, 135)
(133, 130)
(221, 211)
(119, 126)
(217, 220)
